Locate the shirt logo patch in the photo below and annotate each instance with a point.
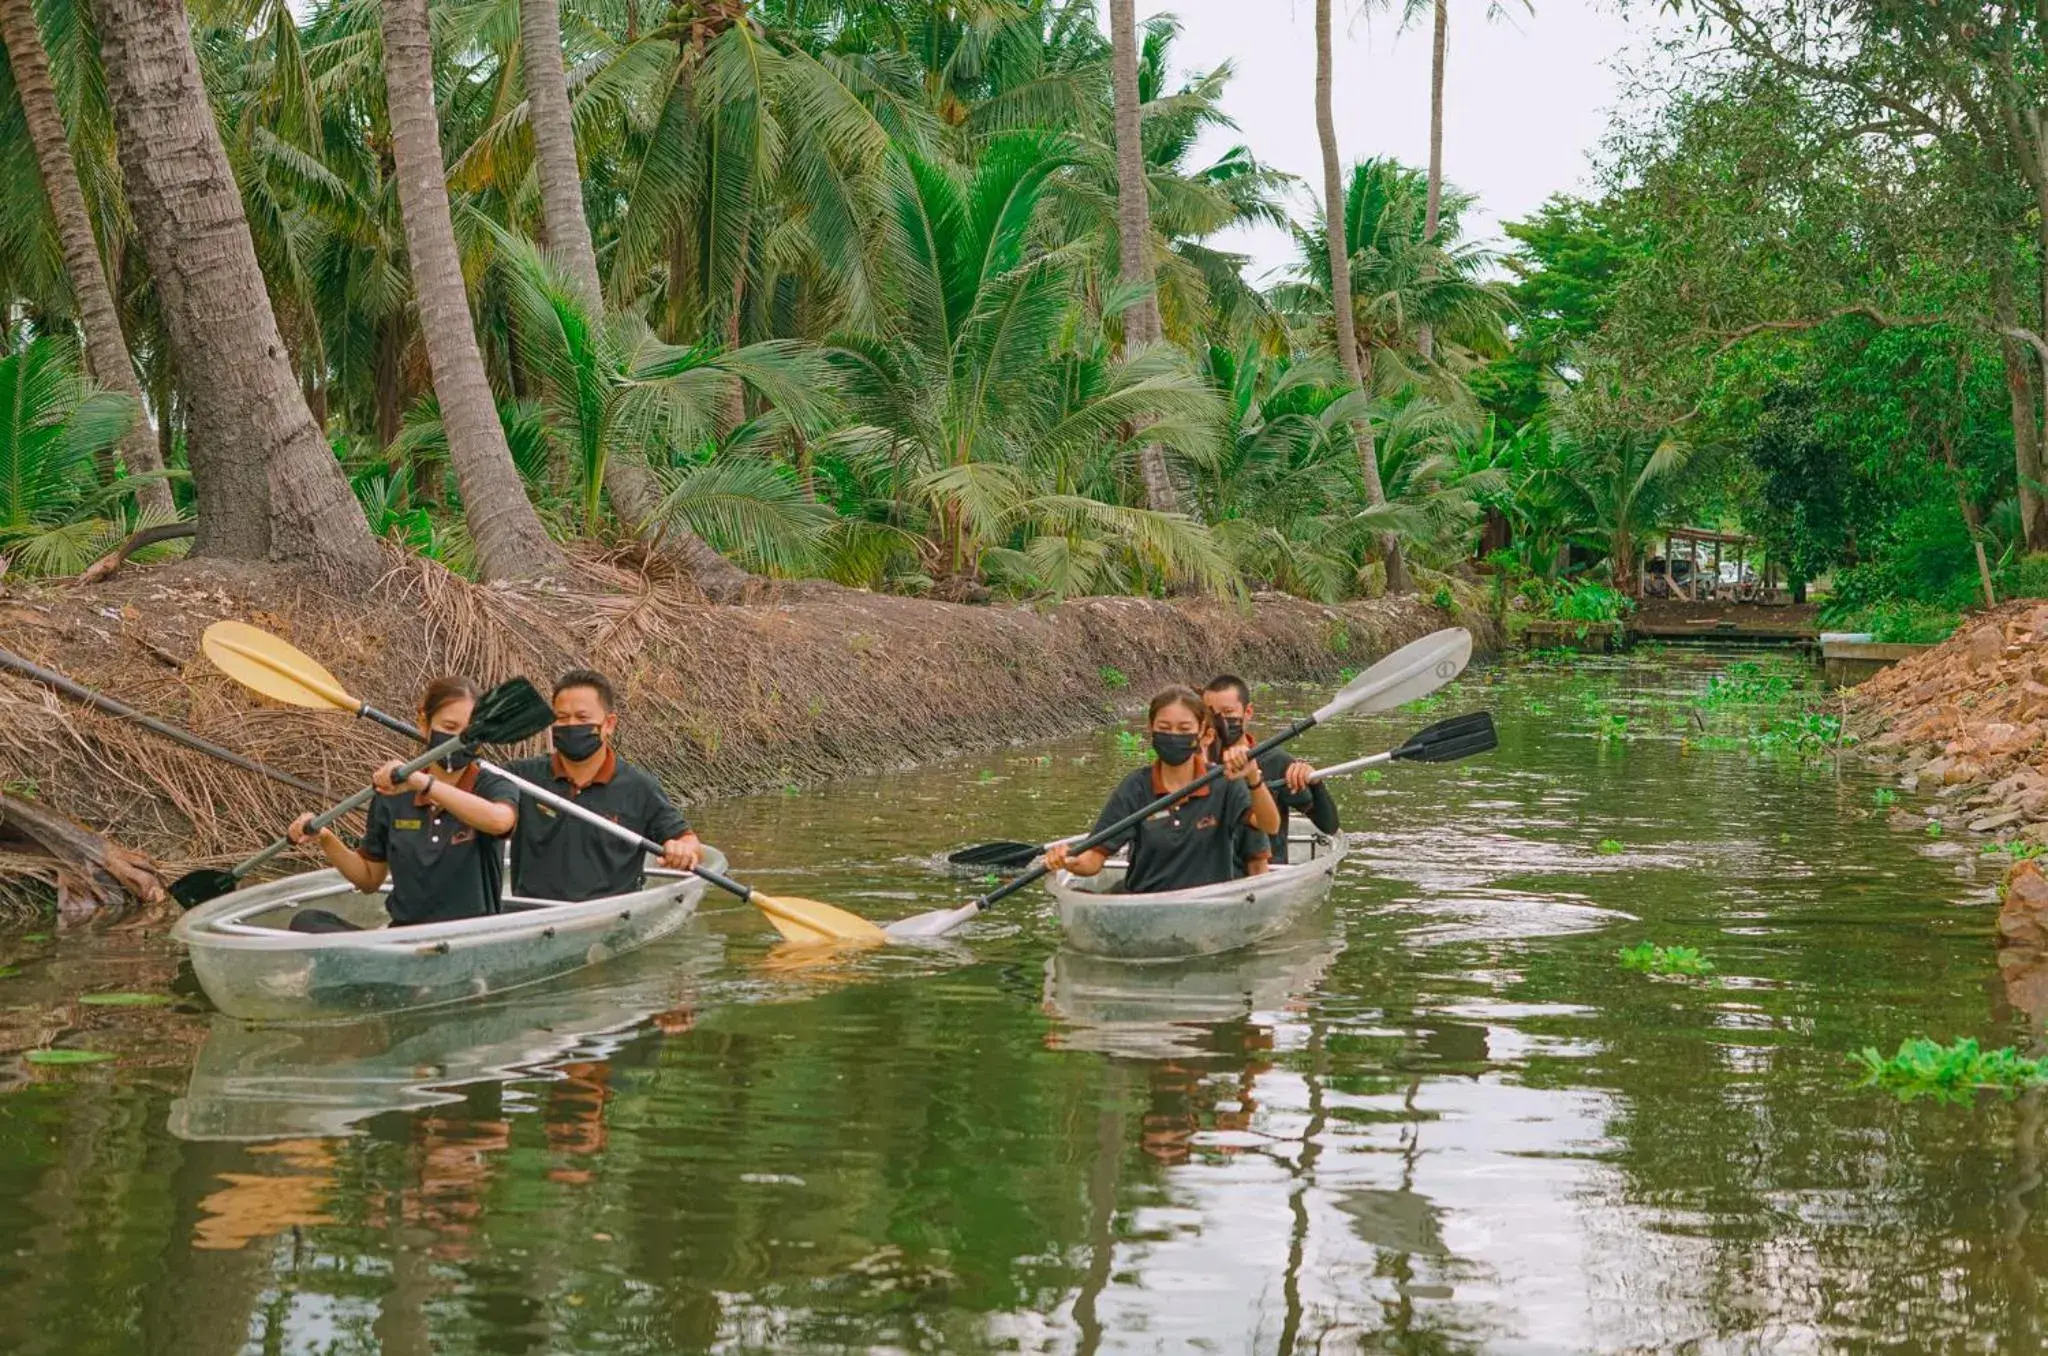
(1207, 822)
(411, 824)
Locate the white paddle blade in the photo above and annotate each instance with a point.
(1415, 670)
(927, 925)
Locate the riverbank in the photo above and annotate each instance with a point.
(808, 683)
(1964, 726)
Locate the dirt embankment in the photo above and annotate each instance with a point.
(810, 683)
(1967, 723)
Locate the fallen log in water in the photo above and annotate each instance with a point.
(95, 877)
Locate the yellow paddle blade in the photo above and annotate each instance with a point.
(810, 922)
(256, 659)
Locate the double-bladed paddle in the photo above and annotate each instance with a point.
(507, 714)
(278, 670)
(1411, 672)
(1444, 742)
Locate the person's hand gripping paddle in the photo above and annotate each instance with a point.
(507, 714)
(1411, 672)
(260, 661)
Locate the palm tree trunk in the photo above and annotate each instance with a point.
(1134, 231)
(106, 351)
(632, 489)
(1340, 293)
(510, 541)
(1425, 337)
(268, 483)
(554, 147)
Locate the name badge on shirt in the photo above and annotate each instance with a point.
(405, 823)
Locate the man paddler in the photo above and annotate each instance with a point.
(1229, 701)
(558, 856)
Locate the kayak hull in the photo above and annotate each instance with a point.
(253, 967)
(1206, 921)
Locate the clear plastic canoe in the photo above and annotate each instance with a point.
(1204, 921)
(252, 966)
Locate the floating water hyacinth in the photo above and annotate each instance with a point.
(1651, 959)
(1610, 847)
(1949, 1073)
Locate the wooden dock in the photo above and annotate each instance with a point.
(1675, 619)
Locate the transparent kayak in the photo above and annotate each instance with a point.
(252, 966)
(1204, 921)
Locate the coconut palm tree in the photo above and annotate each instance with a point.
(510, 541)
(105, 346)
(266, 481)
(998, 440)
(1340, 286)
(1134, 230)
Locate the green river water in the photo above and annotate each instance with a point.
(1437, 1118)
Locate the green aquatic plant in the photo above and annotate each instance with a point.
(1130, 745)
(1372, 776)
(2017, 850)
(1610, 847)
(1651, 959)
(987, 776)
(1934, 828)
(1884, 796)
(1746, 683)
(1948, 1073)
(67, 1056)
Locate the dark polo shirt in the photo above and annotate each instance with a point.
(1196, 842)
(1315, 802)
(441, 868)
(558, 856)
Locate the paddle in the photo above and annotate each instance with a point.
(271, 666)
(506, 714)
(1444, 742)
(177, 734)
(1413, 671)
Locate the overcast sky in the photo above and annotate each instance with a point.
(1526, 97)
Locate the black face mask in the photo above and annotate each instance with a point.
(1229, 731)
(577, 742)
(1174, 749)
(457, 760)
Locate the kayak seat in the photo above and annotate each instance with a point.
(320, 920)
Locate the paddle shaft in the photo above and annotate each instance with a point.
(355, 802)
(1323, 774)
(192, 741)
(1137, 817)
(616, 830)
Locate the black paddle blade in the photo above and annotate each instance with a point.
(196, 887)
(996, 856)
(508, 713)
(1449, 740)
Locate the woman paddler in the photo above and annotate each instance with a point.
(439, 836)
(1199, 840)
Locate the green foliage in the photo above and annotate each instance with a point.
(1896, 622)
(1131, 745)
(1948, 1073)
(1884, 796)
(1113, 678)
(1610, 847)
(1650, 959)
(1590, 602)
